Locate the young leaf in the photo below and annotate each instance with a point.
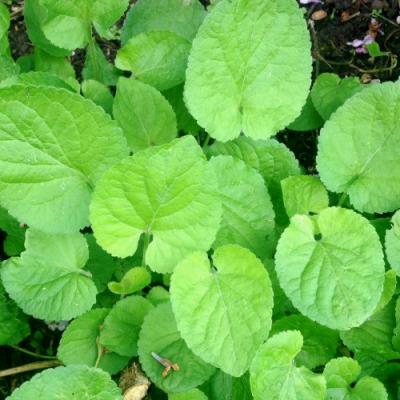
(176, 16)
(79, 344)
(248, 216)
(48, 281)
(55, 146)
(160, 336)
(121, 327)
(392, 243)
(168, 192)
(330, 92)
(14, 325)
(194, 394)
(249, 68)
(100, 94)
(319, 345)
(368, 173)
(303, 194)
(158, 295)
(273, 160)
(331, 267)
(223, 311)
(274, 371)
(145, 116)
(342, 372)
(133, 281)
(158, 58)
(64, 383)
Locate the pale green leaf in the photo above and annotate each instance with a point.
(48, 281)
(176, 16)
(67, 383)
(273, 160)
(14, 325)
(274, 371)
(158, 295)
(249, 68)
(308, 120)
(223, 311)
(389, 289)
(194, 394)
(79, 344)
(167, 192)
(247, 216)
(186, 122)
(341, 375)
(4, 20)
(331, 267)
(8, 68)
(59, 66)
(357, 150)
(160, 335)
(133, 281)
(55, 146)
(319, 345)
(329, 92)
(304, 194)
(392, 243)
(145, 116)
(99, 93)
(158, 58)
(120, 330)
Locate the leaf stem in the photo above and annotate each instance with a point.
(99, 352)
(146, 241)
(206, 141)
(33, 354)
(30, 367)
(342, 199)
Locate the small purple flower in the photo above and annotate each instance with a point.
(304, 2)
(359, 44)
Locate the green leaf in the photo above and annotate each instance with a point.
(330, 92)
(67, 24)
(14, 242)
(176, 16)
(186, 122)
(374, 50)
(100, 94)
(66, 383)
(392, 243)
(158, 58)
(222, 386)
(79, 344)
(55, 146)
(304, 194)
(37, 79)
(167, 192)
(145, 116)
(223, 311)
(249, 68)
(101, 265)
(158, 295)
(273, 160)
(247, 216)
(369, 174)
(342, 372)
(319, 345)
(8, 68)
(194, 394)
(331, 267)
(389, 288)
(308, 120)
(133, 281)
(98, 68)
(48, 281)
(121, 327)
(14, 325)
(160, 335)
(274, 371)
(4, 20)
